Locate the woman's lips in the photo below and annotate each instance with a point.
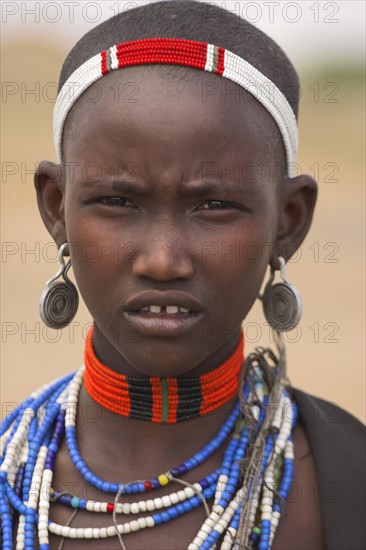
(163, 323)
(170, 298)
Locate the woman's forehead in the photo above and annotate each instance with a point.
(156, 107)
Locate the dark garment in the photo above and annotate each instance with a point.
(338, 442)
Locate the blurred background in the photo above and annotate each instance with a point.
(326, 43)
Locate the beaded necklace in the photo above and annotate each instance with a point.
(32, 433)
(163, 400)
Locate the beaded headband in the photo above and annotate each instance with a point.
(189, 53)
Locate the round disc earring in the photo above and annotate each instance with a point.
(282, 304)
(59, 300)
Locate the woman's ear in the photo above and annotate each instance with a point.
(297, 199)
(50, 186)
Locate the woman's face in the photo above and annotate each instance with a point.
(167, 190)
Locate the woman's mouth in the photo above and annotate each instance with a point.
(167, 310)
(170, 320)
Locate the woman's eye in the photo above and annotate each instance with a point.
(116, 201)
(217, 205)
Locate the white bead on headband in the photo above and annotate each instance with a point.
(189, 53)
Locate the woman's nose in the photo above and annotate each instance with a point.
(163, 256)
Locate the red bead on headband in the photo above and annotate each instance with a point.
(189, 53)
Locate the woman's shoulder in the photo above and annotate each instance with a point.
(337, 438)
(327, 419)
(338, 442)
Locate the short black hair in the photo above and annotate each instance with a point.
(191, 20)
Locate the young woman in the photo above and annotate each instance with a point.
(171, 190)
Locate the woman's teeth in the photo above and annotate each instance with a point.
(165, 309)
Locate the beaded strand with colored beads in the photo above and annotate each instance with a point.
(187, 498)
(152, 504)
(141, 523)
(220, 523)
(155, 483)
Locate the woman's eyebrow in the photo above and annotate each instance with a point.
(190, 189)
(124, 186)
(132, 186)
(206, 188)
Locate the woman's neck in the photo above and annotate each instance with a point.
(108, 355)
(102, 432)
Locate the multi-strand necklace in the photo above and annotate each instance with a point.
(162, 400)
(243, 503)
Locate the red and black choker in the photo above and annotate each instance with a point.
(163, 400)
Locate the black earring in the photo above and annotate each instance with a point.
(59, 301)
(282, 304)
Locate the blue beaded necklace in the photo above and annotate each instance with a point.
(31, 436)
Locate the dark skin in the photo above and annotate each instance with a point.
(162, 146)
